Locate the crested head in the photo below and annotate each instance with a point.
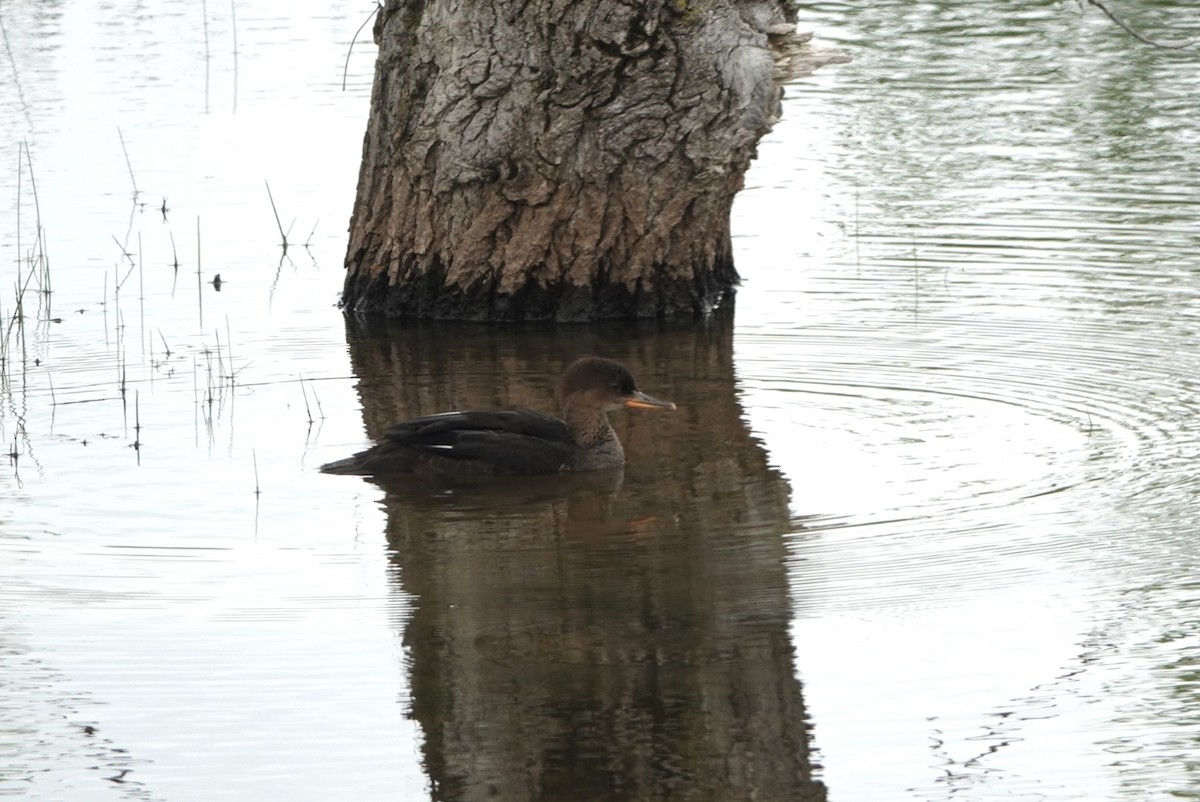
(595, 383)
(598, 379)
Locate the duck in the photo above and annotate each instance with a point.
(478, 443)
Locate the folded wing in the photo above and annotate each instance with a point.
(510, 441)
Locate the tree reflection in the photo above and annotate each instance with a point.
(619, 635)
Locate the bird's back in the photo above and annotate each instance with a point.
(472, 443)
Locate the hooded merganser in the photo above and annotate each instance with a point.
(514, 441)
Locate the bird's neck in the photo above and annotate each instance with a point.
(590, 427)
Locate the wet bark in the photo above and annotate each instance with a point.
(557, 160)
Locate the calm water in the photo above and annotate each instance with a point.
(924, 526)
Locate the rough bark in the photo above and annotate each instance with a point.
(561, 160)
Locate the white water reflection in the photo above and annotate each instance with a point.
(985, 383)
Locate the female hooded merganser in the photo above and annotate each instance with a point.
(514, 441)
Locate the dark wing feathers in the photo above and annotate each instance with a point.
(508, 441)
(516, 421)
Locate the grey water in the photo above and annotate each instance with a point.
(923, 526)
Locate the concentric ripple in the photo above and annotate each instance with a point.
(977, 365)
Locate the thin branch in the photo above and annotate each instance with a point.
(128, 164)
(346, 69)
(1165, 44)
(282, 233)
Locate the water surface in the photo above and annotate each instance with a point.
(922, 527)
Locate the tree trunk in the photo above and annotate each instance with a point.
(561, 160)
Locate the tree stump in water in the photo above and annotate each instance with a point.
(559, 160)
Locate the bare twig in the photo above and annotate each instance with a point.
(307, 408)
(282, 233)
(1165, 44)
(40, 239)
(317, 401)
(346, 69)
(137, 427)
(121, 247)
(128, 164)
(37, 207)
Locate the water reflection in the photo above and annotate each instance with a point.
(1017, 192)
(967, 333)
(619, 635)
